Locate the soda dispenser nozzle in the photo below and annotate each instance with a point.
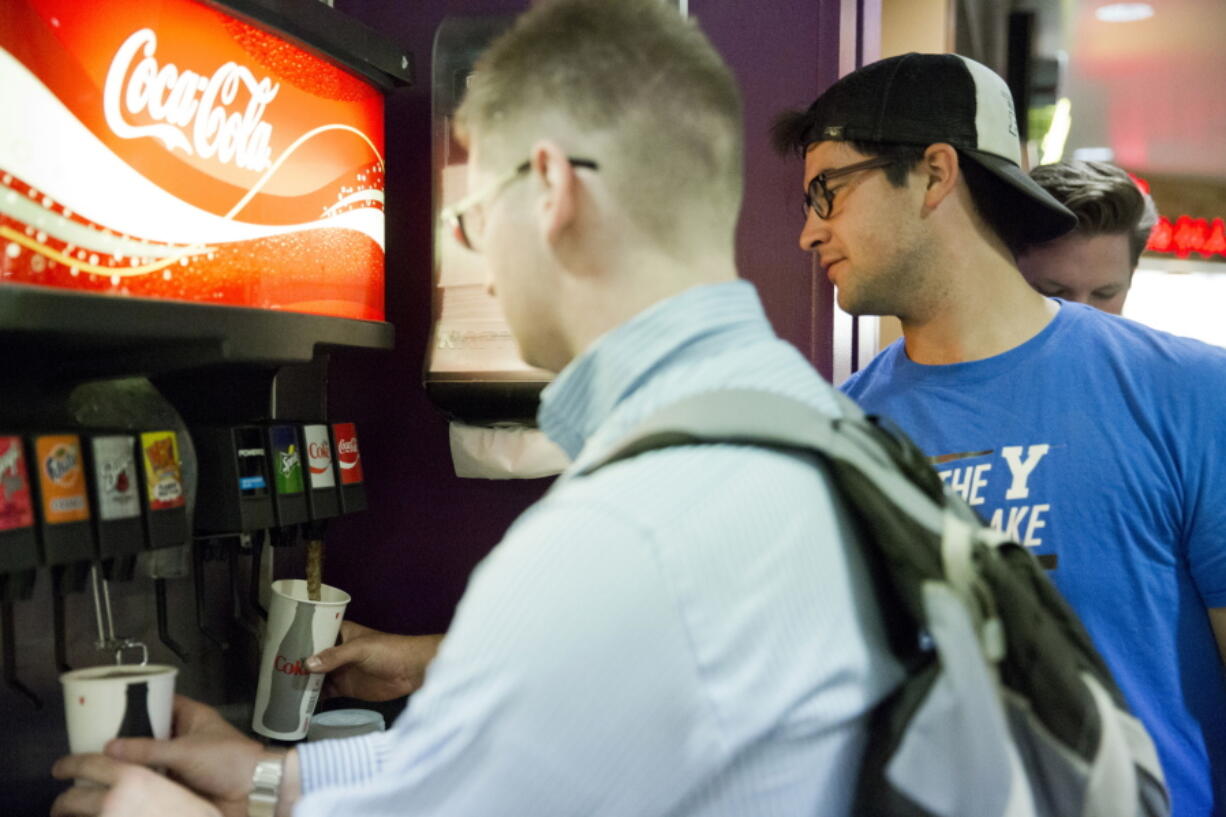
(257, 581)
(9, 658)
(68, 545)
(159, 592)
(107, 640)
(19, 555)
(209, 549)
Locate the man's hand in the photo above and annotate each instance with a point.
(374, 666)
(124, 790)
(205, 753)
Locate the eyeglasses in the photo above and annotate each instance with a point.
(466, 218)
(820, 199)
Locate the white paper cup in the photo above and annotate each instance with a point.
(345, 723)
(119, 700)
(296, 629)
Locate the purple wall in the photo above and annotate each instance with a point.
(407, 559)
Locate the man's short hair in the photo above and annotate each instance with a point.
(1104, 198)
(640, 84)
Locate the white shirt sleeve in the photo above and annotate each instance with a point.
(341, 762)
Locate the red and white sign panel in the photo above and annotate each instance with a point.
(163, 149)
(348, 457)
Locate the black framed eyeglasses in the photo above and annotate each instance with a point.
(466, 218)
(820, 198)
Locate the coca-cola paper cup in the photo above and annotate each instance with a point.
(117, 701)
(297, 628)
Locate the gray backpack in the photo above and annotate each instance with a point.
(1007, 709)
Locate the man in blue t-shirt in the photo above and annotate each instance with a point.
(1096, 441)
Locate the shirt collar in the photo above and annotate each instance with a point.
(586, 392)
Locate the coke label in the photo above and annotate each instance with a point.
(348, 458)
(319, 456)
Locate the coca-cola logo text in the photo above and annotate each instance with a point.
(191, 112)
(319, 451)
(348, 448)
(284, 665)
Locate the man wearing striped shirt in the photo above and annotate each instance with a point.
(688, 632)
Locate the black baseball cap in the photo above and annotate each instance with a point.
(921, 99)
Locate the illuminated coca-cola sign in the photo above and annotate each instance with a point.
(190, 111)
(197, 157)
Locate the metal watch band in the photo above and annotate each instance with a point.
(265, 786)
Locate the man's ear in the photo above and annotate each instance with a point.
(941, 170)
(557, 204)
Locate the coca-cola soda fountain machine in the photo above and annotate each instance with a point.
(191, 219)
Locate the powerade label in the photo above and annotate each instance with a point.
(163, 473)
(252, 463)
(251, 483)
(348, 458)
(61, 478)
(16, 505)
(286, 460)
(319, 456)
(115, 476)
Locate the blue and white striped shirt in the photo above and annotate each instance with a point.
(683, 633)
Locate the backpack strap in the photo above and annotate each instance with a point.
(884, 478)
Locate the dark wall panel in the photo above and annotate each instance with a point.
(407, 559)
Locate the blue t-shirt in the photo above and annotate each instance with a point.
(1101, 443)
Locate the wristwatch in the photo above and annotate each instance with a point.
(265, 787)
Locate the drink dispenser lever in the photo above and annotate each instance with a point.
(164, 500)
(107, 640)
(256, 582)
(10, 657)
(208, 549)
(19, 556)
(120, 526)
(234, 498)
(349, 467)
(163, 617)
(64, 524)
(323, 500)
